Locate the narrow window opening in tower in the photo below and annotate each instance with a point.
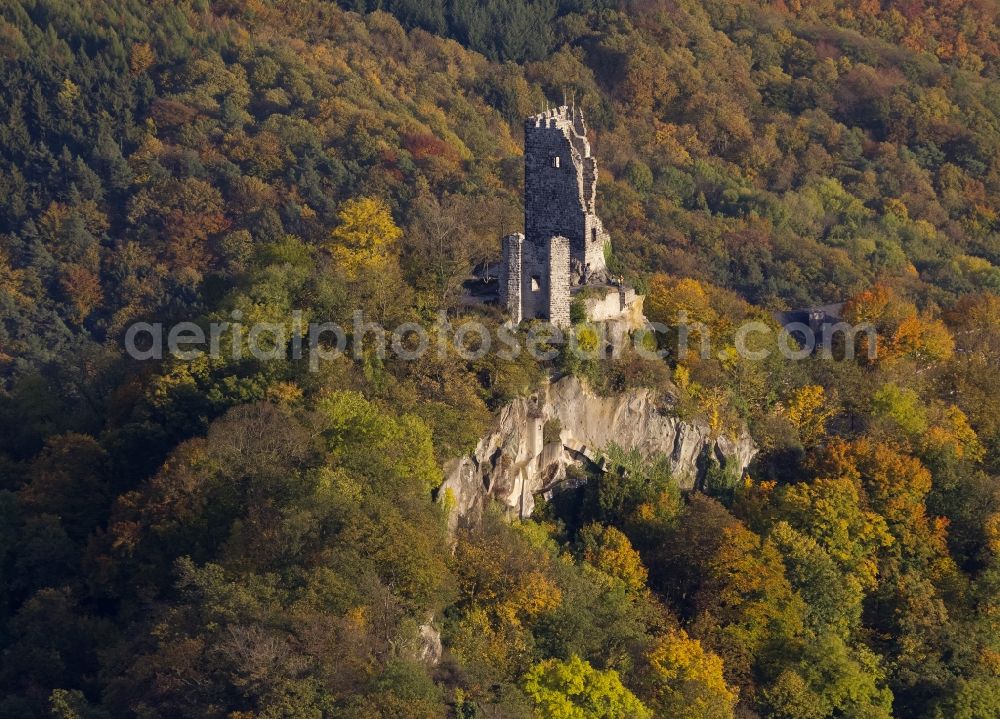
(593, 234)
(536, 283)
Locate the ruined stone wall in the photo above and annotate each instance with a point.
(510, 275)
(594, 250)
(552, 204)
(560, 187)
(534, 282)
(564, 240)
(558, 272)
(608, 302)
(602, 303)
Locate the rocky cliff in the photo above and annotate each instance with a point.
(513, 463)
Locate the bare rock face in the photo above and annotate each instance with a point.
(512, 463)
(431, 649)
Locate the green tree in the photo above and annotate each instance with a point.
(573, 689)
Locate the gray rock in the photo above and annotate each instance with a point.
(430, 644)
(511, 464)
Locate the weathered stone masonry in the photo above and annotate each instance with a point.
(510, 275)
(564, 240)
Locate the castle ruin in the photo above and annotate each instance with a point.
(563, 245)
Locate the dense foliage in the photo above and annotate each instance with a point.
(244, 537)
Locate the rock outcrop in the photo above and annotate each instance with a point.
(513, 463)
(431, 648)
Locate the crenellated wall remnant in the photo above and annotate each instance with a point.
(564, 242)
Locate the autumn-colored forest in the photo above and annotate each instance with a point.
(236, 538)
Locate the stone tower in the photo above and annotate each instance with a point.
(563, 242)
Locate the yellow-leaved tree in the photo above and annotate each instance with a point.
(808, 411)
(608, 550)
(366, 240)
(668, 298)
(923, 339)
(686, 680)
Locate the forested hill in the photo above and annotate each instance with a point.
(246, 538)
